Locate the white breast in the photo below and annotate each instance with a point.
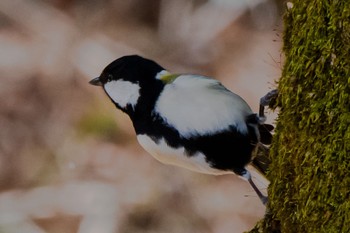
(168, 155)
(197, 105)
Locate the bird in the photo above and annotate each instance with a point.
(187, 120)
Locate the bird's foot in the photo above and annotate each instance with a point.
(265, 101)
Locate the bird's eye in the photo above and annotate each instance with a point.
(109, 77)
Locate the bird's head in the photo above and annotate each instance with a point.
(129, 79)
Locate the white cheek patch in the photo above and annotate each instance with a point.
(123, 92)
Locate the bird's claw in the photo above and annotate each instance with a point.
(266, 99)
(264, 200)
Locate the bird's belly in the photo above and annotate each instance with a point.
(177, 156)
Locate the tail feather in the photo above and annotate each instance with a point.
(261, 160)
(265, 133)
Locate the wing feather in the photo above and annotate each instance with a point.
(197, 105)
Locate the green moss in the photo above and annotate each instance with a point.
(310, 170)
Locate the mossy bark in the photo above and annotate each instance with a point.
(310, 170)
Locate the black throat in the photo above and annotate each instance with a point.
(142, 115)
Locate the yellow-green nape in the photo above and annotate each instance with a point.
(167, 77)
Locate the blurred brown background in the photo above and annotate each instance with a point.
(69, 161)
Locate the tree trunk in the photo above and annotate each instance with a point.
(310, 170)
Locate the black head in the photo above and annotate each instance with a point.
(131, 68)
(127, 79)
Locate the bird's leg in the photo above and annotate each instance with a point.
(265, 101)
(264, 199)
(246, 175)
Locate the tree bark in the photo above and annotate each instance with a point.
(310, 153)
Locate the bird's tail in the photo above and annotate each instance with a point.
(265, 133)
(261, 160)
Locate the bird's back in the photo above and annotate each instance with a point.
(197, 105)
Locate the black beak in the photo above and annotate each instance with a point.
(96, 82)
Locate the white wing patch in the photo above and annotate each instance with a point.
(196, 105)
(123, 92)
(177, 156)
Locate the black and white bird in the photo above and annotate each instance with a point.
(185, 120)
